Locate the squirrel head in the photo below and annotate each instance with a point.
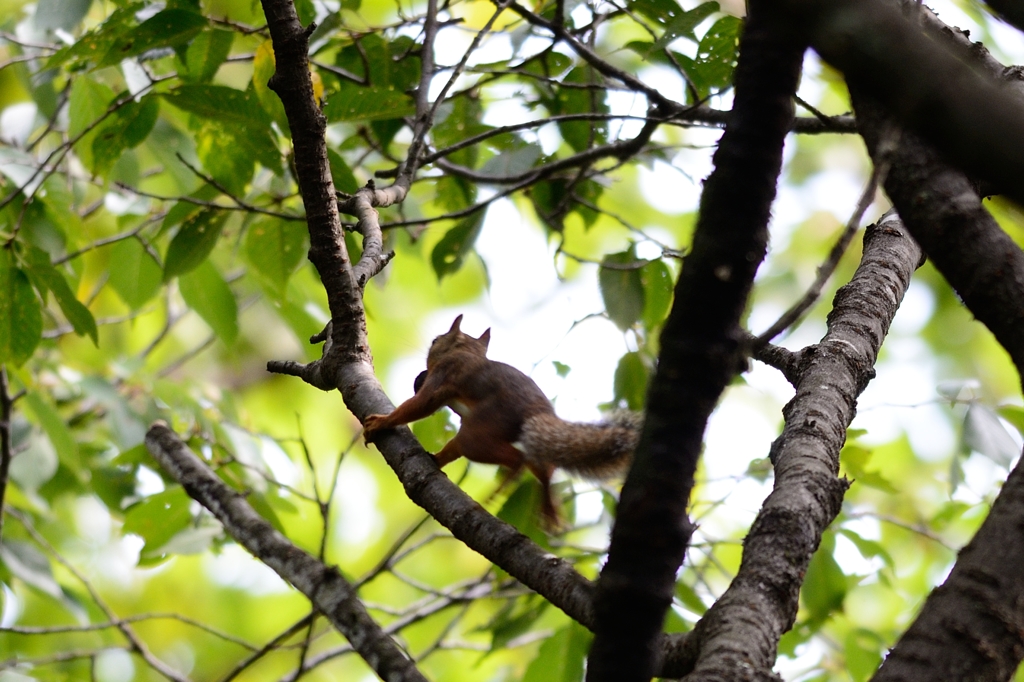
(455, 341)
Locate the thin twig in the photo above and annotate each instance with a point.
(136, 644)
(272, 645)
(828, 267)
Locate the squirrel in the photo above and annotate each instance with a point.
(507, 420)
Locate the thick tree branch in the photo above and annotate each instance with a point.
(701, 353)
(293, 84)
(971, 118)
(325, 587)
(741, 631)
(971, 627)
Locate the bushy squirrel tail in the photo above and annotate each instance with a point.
(598, 450)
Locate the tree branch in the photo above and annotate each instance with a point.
(971, 627)
(970, 117)
(325, 587)
(741, 631)
(701, 353)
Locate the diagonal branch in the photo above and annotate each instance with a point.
(742, 629)
(325, 587)
(701, 353)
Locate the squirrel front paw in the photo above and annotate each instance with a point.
(371, 425)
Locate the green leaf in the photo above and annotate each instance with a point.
(126, 129)
(550, 200)
(434, 431)
(234, 124)
(561, 369)
(206, 54)
(1013, 414)
(449, 253)
(344, 180)
(581, 134)
(869, 549)
(453, 193)
(133, 456)
(263, 67)
(682, 25)
(96, 42)
(31, 566)
(630, 383)
(985, 434)
(56, 430)
(561, 656)
(206, 292)
(230, 153)
(219, 103)
(675, 622)
(659, 11)
(863, 649)
(622, 288)
(21, 315)
(716, 54)
(306, 11)
(587, 191)
(88, 102)
(457, 120)
(519, 159)
(825, 585)
(393, 65)
(690, 599)
(855, 458)
(157, 519)
(193, 243)
(658, 288)
(514, 620)
(183, 210)
(169, 28)
(374, 103)
(137, 276)
(275, 249)
(261, 503)
(48, 277)
(521, 510)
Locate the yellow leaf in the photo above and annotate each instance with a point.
(318, 86)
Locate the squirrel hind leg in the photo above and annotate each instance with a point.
(507, 474)
(549, 510)
(448, 454)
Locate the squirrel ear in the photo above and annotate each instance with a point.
(485, 337)
(455, 324)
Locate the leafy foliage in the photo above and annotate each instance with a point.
(152, 262)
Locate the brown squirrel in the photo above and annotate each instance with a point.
(507, 420)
